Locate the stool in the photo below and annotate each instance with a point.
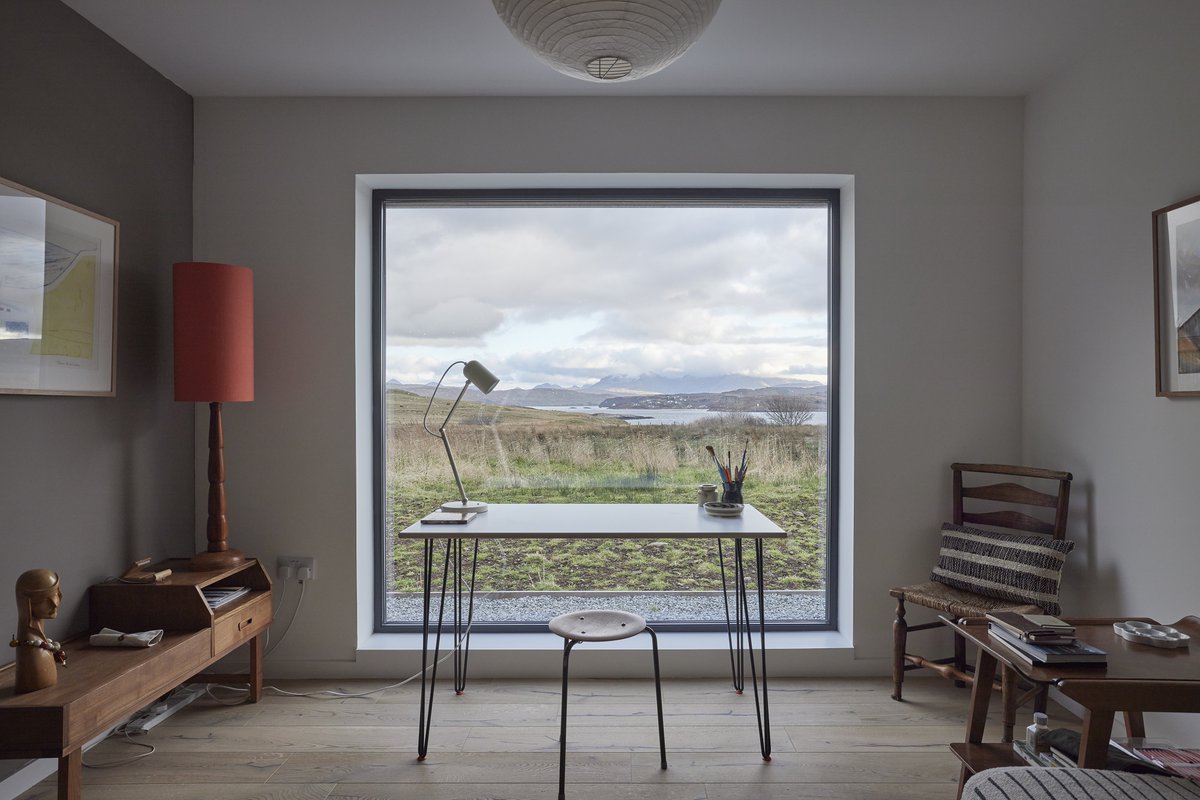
(601, 626)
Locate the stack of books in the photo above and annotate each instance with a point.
(1040, 639)
(218, 596)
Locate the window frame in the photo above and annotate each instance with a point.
(381, 199)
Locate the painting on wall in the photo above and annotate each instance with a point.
(58, 296)
(1177, 298)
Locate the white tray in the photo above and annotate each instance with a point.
(724, 509)
(1153, 635)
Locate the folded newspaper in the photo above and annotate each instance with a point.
(107, 637)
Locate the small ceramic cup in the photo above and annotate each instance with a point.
(706, 494)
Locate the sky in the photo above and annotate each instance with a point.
(570, 295)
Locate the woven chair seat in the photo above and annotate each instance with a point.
(957, 602)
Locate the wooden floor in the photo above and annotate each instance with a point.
(832, 738)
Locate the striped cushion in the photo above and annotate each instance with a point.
(1040, 783)
(1024, 569)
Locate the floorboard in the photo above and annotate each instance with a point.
(832, 738)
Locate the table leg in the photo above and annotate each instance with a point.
(462, 643)
(428, 668)
(981, 695)
(761, 707)
(1135, 726)
(737, 661)
(256, 670)
(1008, 691)
(70, 773)
(1093, 745)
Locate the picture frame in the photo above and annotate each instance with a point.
(58, 296)
(1177, 298)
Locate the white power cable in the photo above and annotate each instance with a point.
(332, 693)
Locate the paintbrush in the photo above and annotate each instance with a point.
(717, 461)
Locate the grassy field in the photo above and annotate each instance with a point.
(521, 455)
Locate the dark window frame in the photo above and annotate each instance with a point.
(383, 198)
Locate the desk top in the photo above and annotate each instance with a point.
(601, 521)
(1127, 661)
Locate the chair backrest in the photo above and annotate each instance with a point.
(1015, 495)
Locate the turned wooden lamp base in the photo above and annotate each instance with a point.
(222, 559)
(219, 554)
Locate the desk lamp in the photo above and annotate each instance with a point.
(485, 381)
(214, 364)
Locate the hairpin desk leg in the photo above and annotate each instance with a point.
(428, 667)
(737, 660)
(462, 641)
(761, 707)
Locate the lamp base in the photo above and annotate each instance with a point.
(209, 561)
(471, 505)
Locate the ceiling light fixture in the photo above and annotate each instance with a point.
(607, 40)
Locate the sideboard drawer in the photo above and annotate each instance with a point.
(241, 622)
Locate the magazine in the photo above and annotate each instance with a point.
(217, 596)
(1181, 761)
(1075, 653)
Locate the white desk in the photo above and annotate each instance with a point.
(592, 521)
(602, 521)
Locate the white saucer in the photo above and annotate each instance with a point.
(1153, 635)
(724, 509)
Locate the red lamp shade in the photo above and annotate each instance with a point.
(214, 332)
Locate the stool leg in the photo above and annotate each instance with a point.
(662, 737)
(562, 735)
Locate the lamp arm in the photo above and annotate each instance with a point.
(453, 467)
(433, 396)
(446, 442)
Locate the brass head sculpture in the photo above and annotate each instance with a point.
(38, 597)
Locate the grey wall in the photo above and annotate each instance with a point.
(89, 484)
(1107, 143)
(936, 286)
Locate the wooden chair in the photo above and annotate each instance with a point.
(960, 603)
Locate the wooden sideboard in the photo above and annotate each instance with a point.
(102, 686)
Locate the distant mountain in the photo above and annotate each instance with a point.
(717, 393)
(545, 395)
(738, 400)
(688, 384)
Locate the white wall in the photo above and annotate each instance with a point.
(1107, 143)
(937, 286)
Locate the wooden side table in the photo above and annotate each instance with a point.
(104, 685)
(1136, 679)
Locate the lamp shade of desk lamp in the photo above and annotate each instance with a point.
(485, 381)
(214, 364)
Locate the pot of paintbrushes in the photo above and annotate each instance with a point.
(731, 476)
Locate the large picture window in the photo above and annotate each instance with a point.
(629, 330)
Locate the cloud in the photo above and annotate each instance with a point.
(580, 293)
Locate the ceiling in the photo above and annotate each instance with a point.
(753, 47)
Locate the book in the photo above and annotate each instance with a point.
(217, 596)
(1075, 653)
(448, 518)
(1183, 762)
(1041, 628)
(1036, 759)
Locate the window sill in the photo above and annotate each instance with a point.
(776, 641)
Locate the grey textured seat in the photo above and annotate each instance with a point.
(601, 625)
(1040, 783)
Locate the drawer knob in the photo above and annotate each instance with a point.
(246, 624)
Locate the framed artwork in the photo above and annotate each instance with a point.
(58, 296)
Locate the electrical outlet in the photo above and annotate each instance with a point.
(298, 566)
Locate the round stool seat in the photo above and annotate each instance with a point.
(597, 625)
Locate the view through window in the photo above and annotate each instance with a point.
(627, 335)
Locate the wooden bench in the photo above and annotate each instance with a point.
(102, 686)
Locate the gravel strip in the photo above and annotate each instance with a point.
(686, 606)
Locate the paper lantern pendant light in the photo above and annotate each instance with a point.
(607, 40)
